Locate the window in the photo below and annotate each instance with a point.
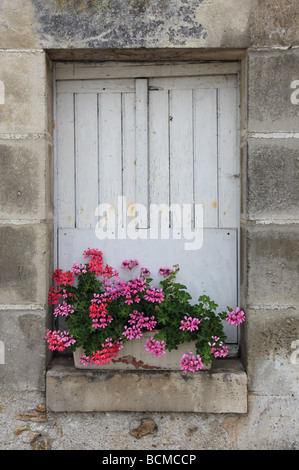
(133, 139)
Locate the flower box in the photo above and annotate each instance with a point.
(134, 356)
(133, 324)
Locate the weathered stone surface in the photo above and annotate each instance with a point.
(18, 31)
(271, 334)
(270, 75)
(141, 23)
(24, 261)
(24, 78)
(222, 390)
(274, 22)
(271, 424)
(22, 333)
(24, 186)
(272, 253)
(272, 179)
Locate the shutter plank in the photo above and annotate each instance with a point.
(159, 147)
(159, 161)
(205, 155)
(86, 160)
(129, 154)
(65, 161)
(110, 149)
(228, 159)
(142, 148)
(181, 148)
(193, 83)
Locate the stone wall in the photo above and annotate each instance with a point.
(264, 36)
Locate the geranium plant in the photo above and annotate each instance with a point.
(103, 312)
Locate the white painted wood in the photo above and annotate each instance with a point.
(79, 71)
(159, 161)
(205, 154)
(110, 145)
(181, 149)
(142, 148)
(159, 147)
(94, 86)
(193, 83)
(65, 204)
(228, 159)
(86, 159)
(129, 146)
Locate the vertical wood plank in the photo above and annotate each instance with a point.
(228, 158)
(86, 160)
(65, 161)
(205, 154)
(181, 148)
(142, 147)
(159, 163)
(110, 149)
(129, 154)
(158, 147)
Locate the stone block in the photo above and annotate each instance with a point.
(17, 30)
(272, 362)
(26, 180)
(270, 75)
(222, 390)
(272, 179)
(271, 424)
(272, 264)
(25, 91)
(142, 24)
(274, 23)
(22, 333)
(24, 261)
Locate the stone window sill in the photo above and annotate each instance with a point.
(223, 389)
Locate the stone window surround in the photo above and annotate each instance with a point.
(223, 389)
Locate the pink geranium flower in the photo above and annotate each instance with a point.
(191, 363)
(155, 347)
(235, 317)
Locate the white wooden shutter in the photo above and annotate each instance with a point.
(156, 138)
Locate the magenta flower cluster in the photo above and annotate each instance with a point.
(129, 263)
(189, 323)
(63, 309)
(190, 362)
(59, 340)
(137, 322)
(154, 295)
(129, 290)
(155, 347)
(235, 317)
(79, 268)
(165, 272)
(218, 348)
